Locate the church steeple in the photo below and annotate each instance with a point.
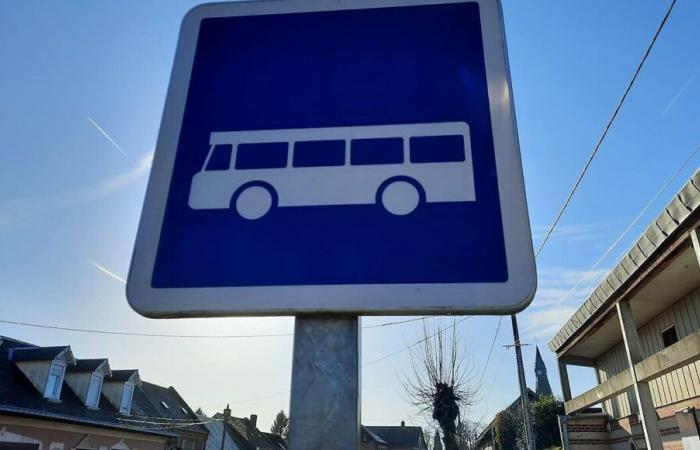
(543, 387)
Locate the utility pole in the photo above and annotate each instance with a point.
(227, 415)
(529, 434)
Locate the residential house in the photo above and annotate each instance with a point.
(218, 429)
(172, 408)
(244, 433)
(247, 427)
(640, 332)
(487, 438)
(51, 400)
(392, 438)
(277, 440)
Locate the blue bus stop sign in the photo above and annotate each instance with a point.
(344, 157)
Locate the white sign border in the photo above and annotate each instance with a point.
(372, 299)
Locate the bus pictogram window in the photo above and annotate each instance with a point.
(434, 149)
(220, 157)
(264, 155)
(319, 153)
(376, 151)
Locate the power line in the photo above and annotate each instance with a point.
(157, 335)
(415, 343)
(179, 336)
(163, 422)
(493, 343)
(631, 225)
(605, 130)
(388, 355)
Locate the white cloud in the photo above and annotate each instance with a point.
(560, 292)
(544, 323)
(24, 211)
(569, 232)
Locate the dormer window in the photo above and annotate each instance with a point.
(127, 395)
(54, 382)
(92, 399)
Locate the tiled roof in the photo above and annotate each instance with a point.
(277, 440)
(215, 429)
(170, 405)
(37, 353)
(122, 375)
(86, 365)
(251, 434)
(402, 436)
(19, 397)
(686, 202)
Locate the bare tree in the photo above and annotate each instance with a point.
(441, 379)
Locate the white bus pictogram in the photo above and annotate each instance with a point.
(397, 166)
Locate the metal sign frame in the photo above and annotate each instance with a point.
(372, 299)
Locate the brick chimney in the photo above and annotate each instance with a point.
(403, 424)
(254, 420)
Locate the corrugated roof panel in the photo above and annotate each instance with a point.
(612, 281)
(678, 209)
(601, 293)
(646, 246)
(595, 300)
(636, 255)
(629, 263)
(666, 223)
(621, 273)
(655, 234)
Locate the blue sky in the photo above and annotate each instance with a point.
(70, 199)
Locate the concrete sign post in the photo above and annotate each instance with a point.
(338, 158)
(325, 407)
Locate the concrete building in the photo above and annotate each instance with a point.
(640, 332)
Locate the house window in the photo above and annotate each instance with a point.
(184, 411)
(55, 381)
(94, 390)
(127, 394)
(165, 405)
(669, 336)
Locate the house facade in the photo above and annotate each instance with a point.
(51, 400)
(640, 332)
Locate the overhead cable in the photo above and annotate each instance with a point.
(608, 125)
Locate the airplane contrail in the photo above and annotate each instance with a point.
(105, 134)
(108, 272)
(682, 90)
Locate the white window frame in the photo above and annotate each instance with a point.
(125, 406)
(95, 383)
(57, 368)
